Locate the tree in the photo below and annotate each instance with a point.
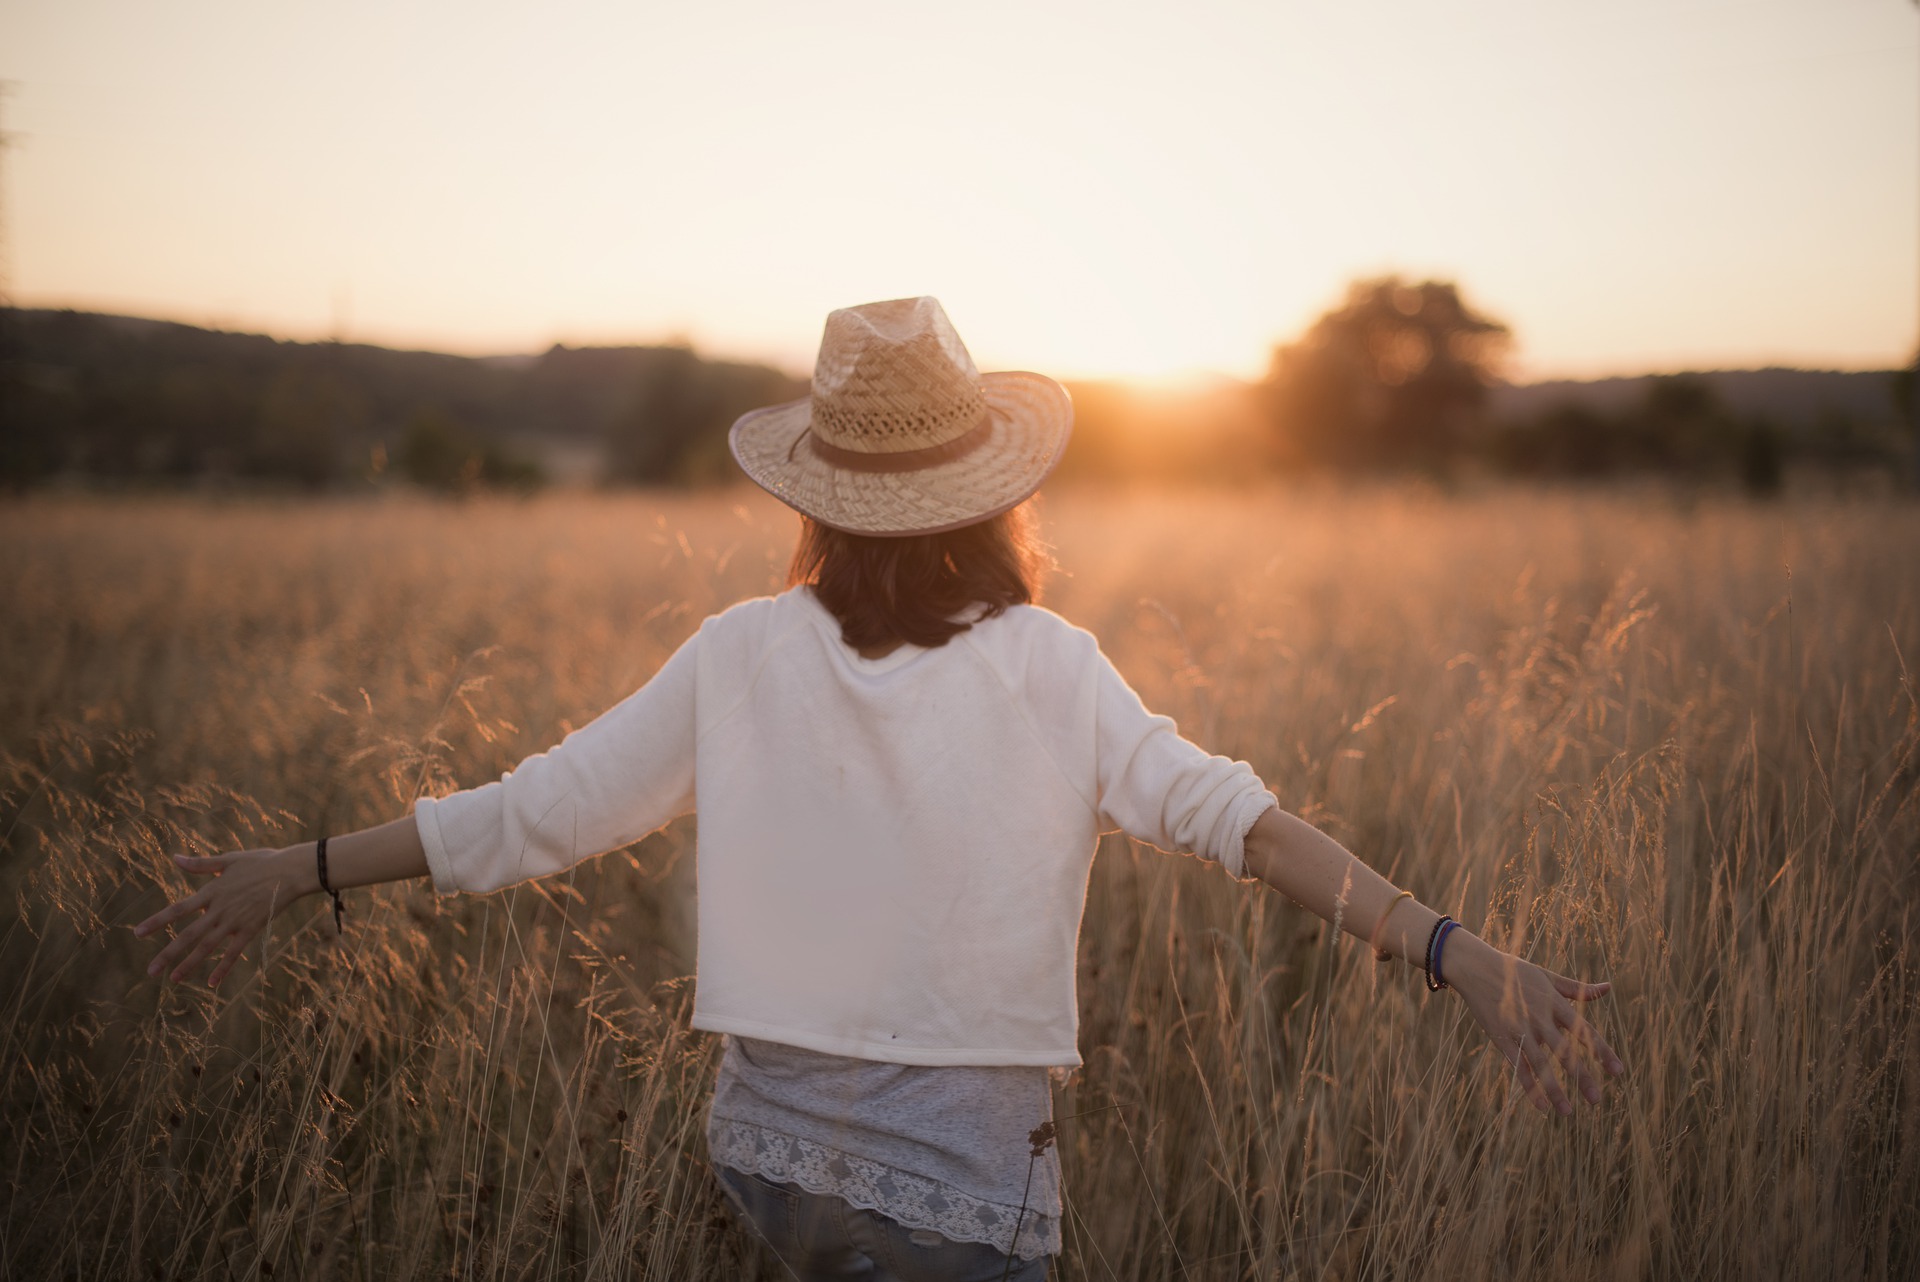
(1395, 377)
(438, 453)
(1684, 428)
(675, 429)
(1904, 387)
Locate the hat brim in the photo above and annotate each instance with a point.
(1029, 418)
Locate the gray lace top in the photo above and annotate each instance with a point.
(934, 1147)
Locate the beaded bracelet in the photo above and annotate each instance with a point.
(320, 858)
(1434, 982)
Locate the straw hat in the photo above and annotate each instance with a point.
(902, 435)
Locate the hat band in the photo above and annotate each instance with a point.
(900, 460)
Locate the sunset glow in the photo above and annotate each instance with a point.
(1092, 189)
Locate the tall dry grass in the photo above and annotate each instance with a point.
(1673, 745)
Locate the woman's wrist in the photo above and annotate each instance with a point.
(1468, 959)
(299, 869)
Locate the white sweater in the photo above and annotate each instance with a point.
(892, 853)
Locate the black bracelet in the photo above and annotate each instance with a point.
(1434, 983)
(320, 857)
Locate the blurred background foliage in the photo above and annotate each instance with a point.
(1395, 377)
(1401, 377)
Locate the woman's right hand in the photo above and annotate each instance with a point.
(247, 888)
(1528, 1012)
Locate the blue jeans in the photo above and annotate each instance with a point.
(821, 1238)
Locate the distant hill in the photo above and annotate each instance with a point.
(116, 396)
(1799, 400)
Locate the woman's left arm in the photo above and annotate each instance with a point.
(249, 887)
(1526, 1010)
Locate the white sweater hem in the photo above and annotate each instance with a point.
(888, 1052)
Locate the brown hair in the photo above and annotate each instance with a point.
(909, 588)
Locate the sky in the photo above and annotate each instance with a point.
(1092, 189)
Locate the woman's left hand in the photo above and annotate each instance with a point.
(1530, 1015)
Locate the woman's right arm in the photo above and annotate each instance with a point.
(249, 887)
(605, 785)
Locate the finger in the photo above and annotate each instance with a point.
(1584, 1080)
(204, 864)
(209, 942)
(1586, 1037)
(1605, 1055)
(223, 959)
(1590, 1040)
(1540, 1059)
(225, 967)
(179, 945)
(172, 912)
(1568, 1048)
(1575, 990)
(237, 944)
(1529, 1079)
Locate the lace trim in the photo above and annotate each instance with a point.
(913, 1200)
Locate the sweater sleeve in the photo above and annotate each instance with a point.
(1162, 789)
(607, 784)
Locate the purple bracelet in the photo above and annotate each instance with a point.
(1435, 980)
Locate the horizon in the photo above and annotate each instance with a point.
(1174, 382)
(1141, 193)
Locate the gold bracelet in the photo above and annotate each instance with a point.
(1379, 953)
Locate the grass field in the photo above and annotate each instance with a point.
(1677, 745)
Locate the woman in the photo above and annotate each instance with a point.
(901, 766)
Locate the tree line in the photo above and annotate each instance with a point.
(1401, 377)
(140, 401)
(1396, 378)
